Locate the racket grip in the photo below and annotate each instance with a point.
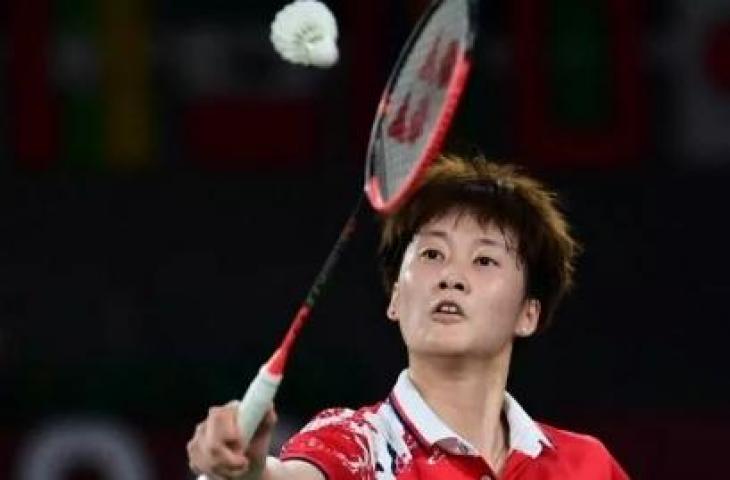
(256, 402)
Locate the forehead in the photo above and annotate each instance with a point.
(455, 222)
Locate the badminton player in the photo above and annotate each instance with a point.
(478, 259)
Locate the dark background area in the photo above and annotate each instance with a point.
(169, 188)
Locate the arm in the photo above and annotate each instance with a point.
(290, 469)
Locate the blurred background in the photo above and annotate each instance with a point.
(169, 188)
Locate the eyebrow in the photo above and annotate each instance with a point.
(481, 240)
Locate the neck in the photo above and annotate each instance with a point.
(468, 396)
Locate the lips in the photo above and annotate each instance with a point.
(449, 308)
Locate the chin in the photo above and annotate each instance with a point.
(456, 348)
(446, 347)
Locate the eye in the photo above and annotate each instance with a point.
(431, 254)
(484, 261)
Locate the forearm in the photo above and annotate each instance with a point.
(290, 470)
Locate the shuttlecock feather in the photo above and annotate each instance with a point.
(305, 32)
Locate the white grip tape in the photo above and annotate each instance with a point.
(256, 402)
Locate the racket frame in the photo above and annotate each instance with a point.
(454, 92)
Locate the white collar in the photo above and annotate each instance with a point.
(524, 434)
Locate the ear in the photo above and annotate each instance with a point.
(529, 318)
(392, 311)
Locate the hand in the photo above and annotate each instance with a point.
(217, 449)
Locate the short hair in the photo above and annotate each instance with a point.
(498, 194)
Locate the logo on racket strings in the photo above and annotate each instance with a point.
(435, 72)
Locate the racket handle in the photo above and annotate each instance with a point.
(256, 402)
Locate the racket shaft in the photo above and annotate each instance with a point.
(261, 392)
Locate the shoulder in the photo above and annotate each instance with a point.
(345, 425)
(344, 418)
(584, 449)
(338, 441)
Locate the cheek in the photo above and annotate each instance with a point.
(412, 299)
(412, 282)
(505, 298)
(407, 299)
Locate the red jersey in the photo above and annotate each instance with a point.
(401, 438)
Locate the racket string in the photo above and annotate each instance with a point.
(413, 108)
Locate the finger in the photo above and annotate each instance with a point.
(205, 451)
(199, 432)
(261, 441)
(225, 471)
(214, 470)
(227, 456)
(271, 417)
(222, 424)
(197, 461)
(195, 457)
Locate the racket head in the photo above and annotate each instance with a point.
(419, 102)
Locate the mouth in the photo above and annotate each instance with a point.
(448, 311)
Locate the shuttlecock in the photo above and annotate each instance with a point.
(305, 32)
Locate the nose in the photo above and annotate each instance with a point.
(451, 280)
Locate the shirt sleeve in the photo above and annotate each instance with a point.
(335, 442)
